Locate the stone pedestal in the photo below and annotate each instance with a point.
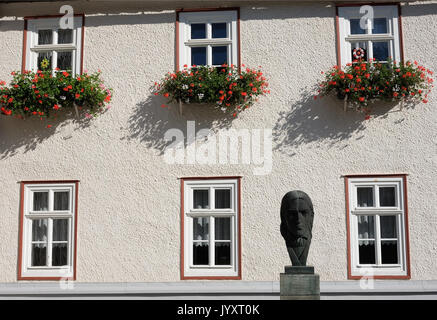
(299, 283)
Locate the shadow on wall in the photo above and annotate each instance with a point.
(321, 121)
(149, 121)
(21, 136)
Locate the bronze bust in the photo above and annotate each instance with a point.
(297, 215)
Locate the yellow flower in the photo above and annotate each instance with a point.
(45, 63)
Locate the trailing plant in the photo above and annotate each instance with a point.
(363, 82)
(45, 93)
(226, 87)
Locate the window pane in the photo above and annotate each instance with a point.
(65, 36)
(388, 227)
(219, 30)
(65, 59)
(201, 228)
(223, 198)
(355, 27)
(222, 228)
(222, 253)
(200, 199)
(200, 253)
(44, 56)
(380, 25)
(389, 251)
(366, 227)
(39, 230)
(39, 252)
(198, 31)
(40, 201)
(359, 51)
(366, 250)
(61, 200)
(59, 254)
(198, 56)
(45, 37)
(60, 229)
(380, 51)
(365, 196)
(219, 55)
(387, 196)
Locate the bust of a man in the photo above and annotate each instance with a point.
(297, 215)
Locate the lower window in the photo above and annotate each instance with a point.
(211, 216)
(377, 227)
(48, 219)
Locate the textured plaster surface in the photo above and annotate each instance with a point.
(129, 198)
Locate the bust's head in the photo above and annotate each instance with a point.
(297, 215)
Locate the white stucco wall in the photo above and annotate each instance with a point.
(129, 198)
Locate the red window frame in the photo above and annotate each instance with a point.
(25, 30)
(20, 240)
(178, 11)
(337, 24)
(403, 176)
(182, 271)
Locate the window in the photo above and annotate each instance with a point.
(377, 226)
(48, 217)
(211, 217)
(45, 39)
(208, 38)
(361, 36)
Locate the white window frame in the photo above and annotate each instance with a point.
(390, 12)
(27, 270)
(229, 17)
(211, 270)
(377, 269)
(32, 47)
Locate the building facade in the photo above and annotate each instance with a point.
(103, 201)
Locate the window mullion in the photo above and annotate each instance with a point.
(49, 241)
(211, 241)
(209, 55)
(54, 59)
(378, 240)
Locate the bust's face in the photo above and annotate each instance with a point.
(298, 218)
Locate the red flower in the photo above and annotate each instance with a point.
(66, 74)
(163, 106)
(166, 94)
(244, 94)
(56, 107)
(77, 96)
(361, 99)
(367, 117)
(49, 126)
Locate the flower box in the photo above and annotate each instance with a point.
(44, 94)
(362, 83)
(224, 87)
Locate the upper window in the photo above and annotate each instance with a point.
(46, 40)
(211, 219)
(377, 226)
(208, 38)
(48, 225)
(366, 36)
